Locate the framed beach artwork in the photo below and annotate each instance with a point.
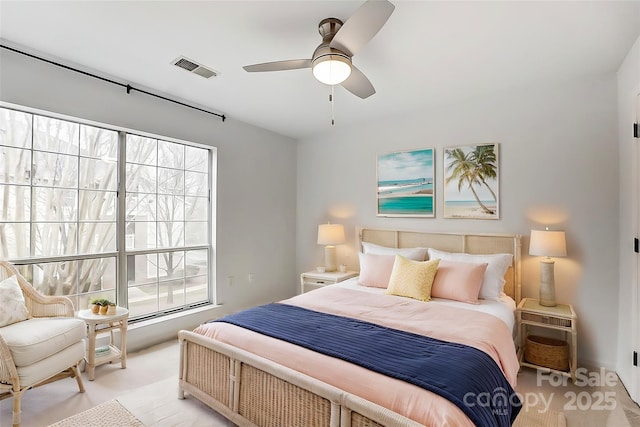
(405, 184)
(471, 181)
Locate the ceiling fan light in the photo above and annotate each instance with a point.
(331, 69)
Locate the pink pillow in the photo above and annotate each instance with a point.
(459, 281)
(375, 270)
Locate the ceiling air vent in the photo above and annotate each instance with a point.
(194, 67)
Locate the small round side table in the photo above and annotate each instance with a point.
(99, 324)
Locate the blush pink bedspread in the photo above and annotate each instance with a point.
(480, 330)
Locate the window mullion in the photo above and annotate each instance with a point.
(121, 265)
(32, 190)
(78, 226)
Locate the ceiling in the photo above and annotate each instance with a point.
(428, 54)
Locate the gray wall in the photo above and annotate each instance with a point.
(558, 167)
(255, 185)
(629, 162)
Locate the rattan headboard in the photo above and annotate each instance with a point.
(472, 243)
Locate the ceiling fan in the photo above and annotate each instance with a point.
(331, 62)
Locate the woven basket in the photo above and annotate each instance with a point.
(547, 352)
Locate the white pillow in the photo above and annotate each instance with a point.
(12, 308)
(416, 254)
(493, 280)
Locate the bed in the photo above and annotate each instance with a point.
(257, 379)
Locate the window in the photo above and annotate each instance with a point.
(62, 220)
(166, 212)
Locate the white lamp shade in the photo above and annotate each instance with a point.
(547, 243)
(331, 69)
(330, 234)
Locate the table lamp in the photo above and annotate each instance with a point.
(547, 243)
(330, 235)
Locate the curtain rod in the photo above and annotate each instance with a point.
(128, 87)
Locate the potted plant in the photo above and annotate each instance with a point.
(111, 310)
(94, 305)
(104, 306)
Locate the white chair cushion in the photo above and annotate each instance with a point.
(45, 369)
(36, 339)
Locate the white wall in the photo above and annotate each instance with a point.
(558, 167)
(628, 89)
(256, 177)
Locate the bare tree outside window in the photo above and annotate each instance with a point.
(58, 198)
(167, 200)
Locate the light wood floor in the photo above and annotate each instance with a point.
(53, 402)
(608, 405)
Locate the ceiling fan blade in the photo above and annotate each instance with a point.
(362, 26)
(358, 84)
(292, 64)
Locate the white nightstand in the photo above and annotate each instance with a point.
(312, 280)
(561, 317)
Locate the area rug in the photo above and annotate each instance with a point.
(107, 414)
(534, 418)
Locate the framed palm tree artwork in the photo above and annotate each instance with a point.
(471, 182)
(405, 184)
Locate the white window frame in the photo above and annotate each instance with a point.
(121, 252)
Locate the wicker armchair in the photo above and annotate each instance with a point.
(54, 351)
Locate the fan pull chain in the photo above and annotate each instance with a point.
(331, 95)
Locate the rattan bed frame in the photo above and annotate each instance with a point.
(252, 391)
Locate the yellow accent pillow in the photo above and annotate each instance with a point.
(412, 279)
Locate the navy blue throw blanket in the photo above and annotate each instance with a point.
(464, 375)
